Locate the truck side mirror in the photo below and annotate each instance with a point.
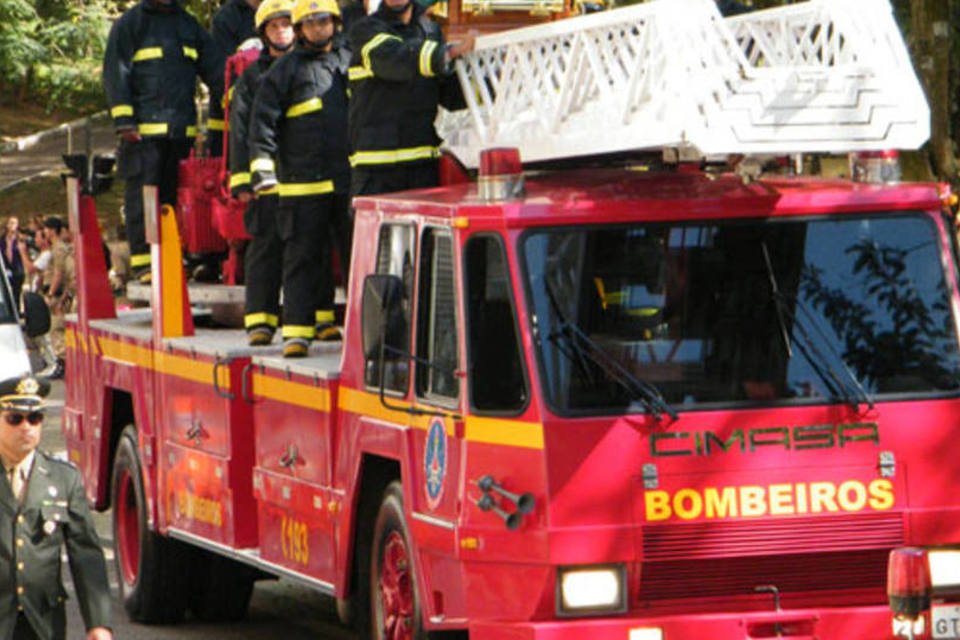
(382, 315)
(36, 314)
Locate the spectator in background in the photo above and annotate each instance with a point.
(60, 280)
(234, 24)
(35, 266)
(13, 250)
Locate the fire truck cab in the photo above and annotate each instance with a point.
(614, 401)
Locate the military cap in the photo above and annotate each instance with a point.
(23, 393)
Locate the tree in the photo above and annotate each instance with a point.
(19, 46)
(931, 35)
(50, 51)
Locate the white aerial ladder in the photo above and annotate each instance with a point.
(828, 76)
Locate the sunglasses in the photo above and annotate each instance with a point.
(16, 419)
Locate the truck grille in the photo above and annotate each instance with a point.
(795, 554)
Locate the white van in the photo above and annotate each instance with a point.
(14, 360)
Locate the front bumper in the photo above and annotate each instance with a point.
(852, 623)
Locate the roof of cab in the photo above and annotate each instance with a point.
(618, 195)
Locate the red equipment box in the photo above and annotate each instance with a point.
(196, 191)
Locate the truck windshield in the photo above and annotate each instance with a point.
(743, 311)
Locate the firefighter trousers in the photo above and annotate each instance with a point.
(152, 161)
(263, 263)
(306, 229)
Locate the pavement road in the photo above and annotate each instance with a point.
(279, 609)
(41, 153)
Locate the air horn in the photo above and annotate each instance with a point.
(511, 520)
(525, 503)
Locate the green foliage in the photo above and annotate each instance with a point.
(72, 87)
(19, 45)
(49, 51)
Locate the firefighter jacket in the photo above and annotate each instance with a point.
(731, 7)
(397, 79)
(54, 514)
(241, 104)
(233, 25)
(153, 58)
(300, 118)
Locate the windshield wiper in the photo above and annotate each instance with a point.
(852, 392)
(581, 347)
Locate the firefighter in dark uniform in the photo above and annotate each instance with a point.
(43, 508)
(732, 7)
(263, 264)
(234, 24)
(399, 73)
(300, 118)
(155, 52)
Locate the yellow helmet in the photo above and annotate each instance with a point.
(304, 8)
(270, 9)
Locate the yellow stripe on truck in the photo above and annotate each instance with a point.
(511, 433)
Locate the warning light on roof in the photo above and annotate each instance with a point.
(876, 167)
(501, 174)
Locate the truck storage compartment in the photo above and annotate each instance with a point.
(298, 524)
(294, 413)
(202, 390)
(208, 496)
(207, 433)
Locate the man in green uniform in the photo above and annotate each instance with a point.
(42, 509)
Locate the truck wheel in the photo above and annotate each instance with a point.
(221, 589)
(345, 612)
(395, 609)
(152, 569)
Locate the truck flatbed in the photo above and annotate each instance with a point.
(323, 362)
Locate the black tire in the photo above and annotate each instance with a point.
(391, 542)
(153, 571)
(346, 613)
(221, 589)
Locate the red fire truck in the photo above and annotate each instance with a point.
(640, 401)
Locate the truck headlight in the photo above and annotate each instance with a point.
(944, 568)
(591, 590)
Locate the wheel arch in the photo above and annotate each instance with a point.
(374, 474)
(117, 415)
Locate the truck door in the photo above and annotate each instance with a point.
(421, 385)
(436, 379)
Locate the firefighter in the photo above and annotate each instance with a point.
(732, 7)
(263, 265)
(300, 118)
(399, 73)
(234, 24)
(155, 53)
